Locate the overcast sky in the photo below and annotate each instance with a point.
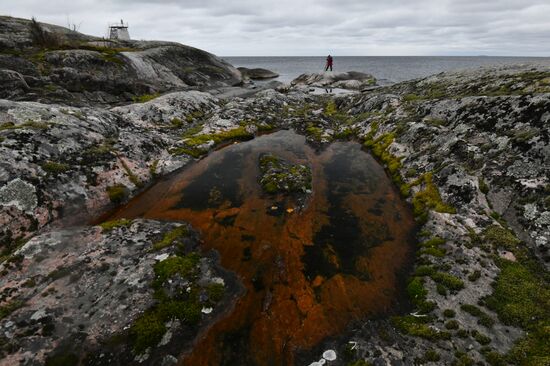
(315, 27)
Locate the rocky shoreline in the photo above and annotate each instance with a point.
(469, 149)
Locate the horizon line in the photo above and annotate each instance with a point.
(509, 56)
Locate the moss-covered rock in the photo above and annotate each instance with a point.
(279, 176)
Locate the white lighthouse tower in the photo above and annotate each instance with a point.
(119, 31)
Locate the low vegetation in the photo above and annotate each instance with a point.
(117, 193)
(53, 167)
(113, 224)
(194, 142)
(171, 237)
(144, 98)
(419, 327)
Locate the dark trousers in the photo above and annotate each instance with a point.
(328, 67)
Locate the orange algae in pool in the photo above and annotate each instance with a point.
(309, 267)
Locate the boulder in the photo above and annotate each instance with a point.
(13, 84)
(68, 293)
(345, 80)
(84, 70)
(257, 73)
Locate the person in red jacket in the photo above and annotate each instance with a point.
(329, 63)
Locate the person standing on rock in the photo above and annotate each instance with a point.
(329, 63)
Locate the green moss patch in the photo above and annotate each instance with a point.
(53, 167)
(25, 125)
(452, 325)
(117, 193)
(279, 176)
(449, 313)
(9, 308)
(194, 152)
(145, 97)
(418, 327)
(521, 297)
(149, 328)
(432, 247)
(193, 141)
(483, 318)
(130, 174)
(215, 292)
(113, 224)
(184, 266)
(379, 148)
(239, 133)
(481, 338)
(451, 282)
(429, 199)
(171, 237)
(316, 133)
(532, 350)
(500, 238)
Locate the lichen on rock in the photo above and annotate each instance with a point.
(20, 194)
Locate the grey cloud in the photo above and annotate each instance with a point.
(302, 27)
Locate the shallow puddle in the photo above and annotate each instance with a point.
(309, 271)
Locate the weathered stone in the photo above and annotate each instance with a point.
(345, 80)
(257, 73)
(20, 194)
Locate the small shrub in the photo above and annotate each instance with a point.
(493, 358)
(452, 324)
(483, 318)
(474, 276)
(330, 108)
(481, 338)
(463, 360)
(153, 168)
(41, 37)
(315, 132)
(451, 282)
(176, 122)
(449, 313)
(442, 290)
(431, 356)
(117, 193)
(462, 333)
(483, 187)
(215, 292)
(411, 98)
(424, 270)
(416, 290)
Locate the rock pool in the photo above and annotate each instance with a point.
(311, 265)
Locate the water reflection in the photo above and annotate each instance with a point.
(308, 271)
